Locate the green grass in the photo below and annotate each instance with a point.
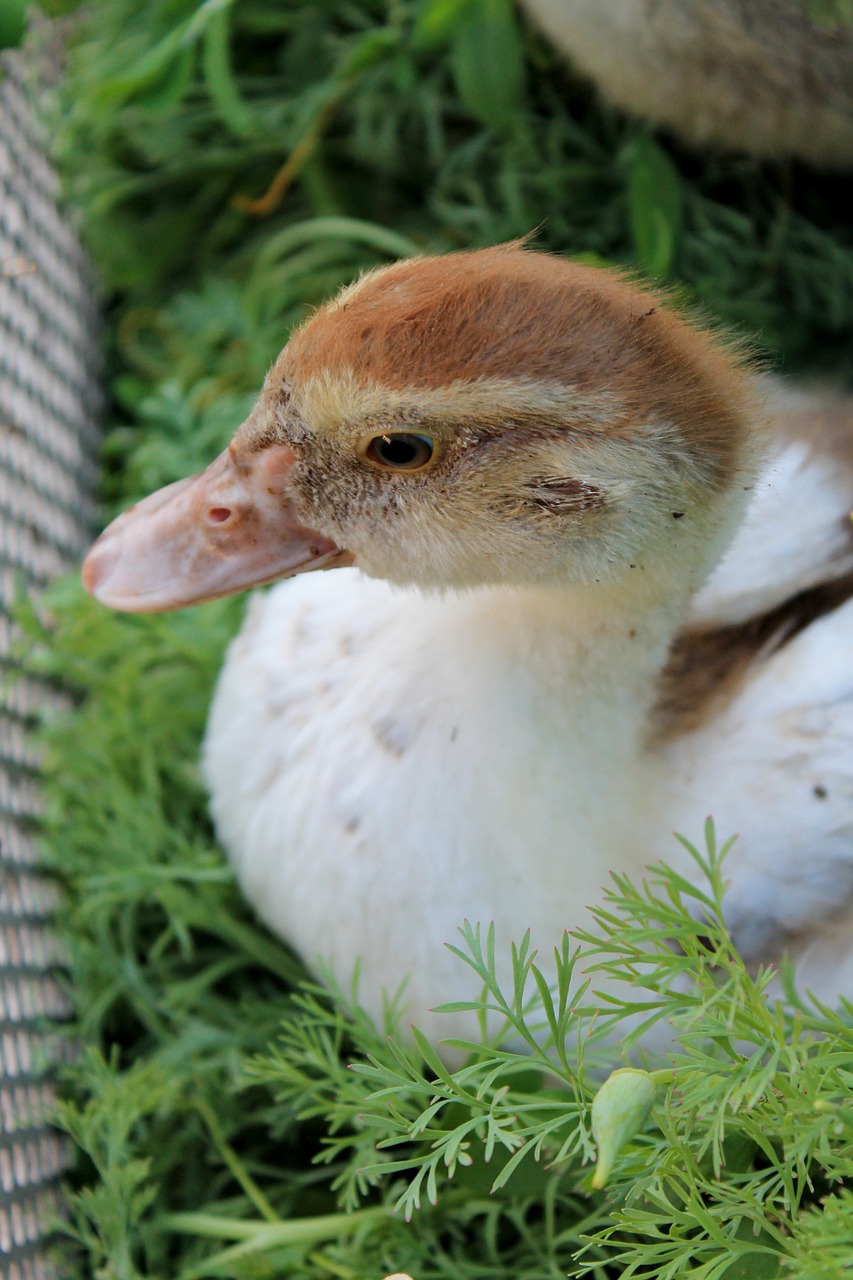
(221, 1129)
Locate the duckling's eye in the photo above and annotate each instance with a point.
(400, 451)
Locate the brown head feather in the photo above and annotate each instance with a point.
(510, 313)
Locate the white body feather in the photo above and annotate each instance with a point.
(384, 764)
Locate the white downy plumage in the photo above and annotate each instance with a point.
(491, 737)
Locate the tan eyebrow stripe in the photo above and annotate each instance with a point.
(326, 401)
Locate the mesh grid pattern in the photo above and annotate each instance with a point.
(50, 405)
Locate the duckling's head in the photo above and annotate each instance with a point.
(499, 416)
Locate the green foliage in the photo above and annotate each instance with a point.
(488, 63)
(12, 14)
(749, 1136)
(209, 129)
(655, 206)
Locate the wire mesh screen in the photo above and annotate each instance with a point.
(49, 410)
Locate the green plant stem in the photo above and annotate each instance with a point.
(256, 1238)
(269, 1235)
(230, 1158)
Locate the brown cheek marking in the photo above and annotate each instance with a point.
(563, 495)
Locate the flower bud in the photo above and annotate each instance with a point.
(619, 1110)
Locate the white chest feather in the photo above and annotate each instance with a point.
(384, 765)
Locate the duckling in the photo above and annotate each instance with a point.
(585, 594)
(760, 76)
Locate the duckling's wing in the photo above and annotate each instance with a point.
(756, 711)
(797, 534)
(774, 766)
(790, 563)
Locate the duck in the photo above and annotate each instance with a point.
(765, 77)
(587, 577)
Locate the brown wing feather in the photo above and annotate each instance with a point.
(706, 668)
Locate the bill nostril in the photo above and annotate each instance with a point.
(218, 515)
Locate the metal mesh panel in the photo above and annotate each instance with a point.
(49, 408)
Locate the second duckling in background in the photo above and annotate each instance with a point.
(760, 76)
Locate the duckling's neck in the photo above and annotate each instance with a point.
(601, 647)
(541, 703)
(594, 652)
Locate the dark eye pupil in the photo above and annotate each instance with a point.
(402, 450)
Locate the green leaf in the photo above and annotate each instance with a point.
(437, 21)
(12, 22)
(654, 207)
(161, 95)
(153, 66)
(487, 62)
(219, 77)
(754, 1265)
(372, 49)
